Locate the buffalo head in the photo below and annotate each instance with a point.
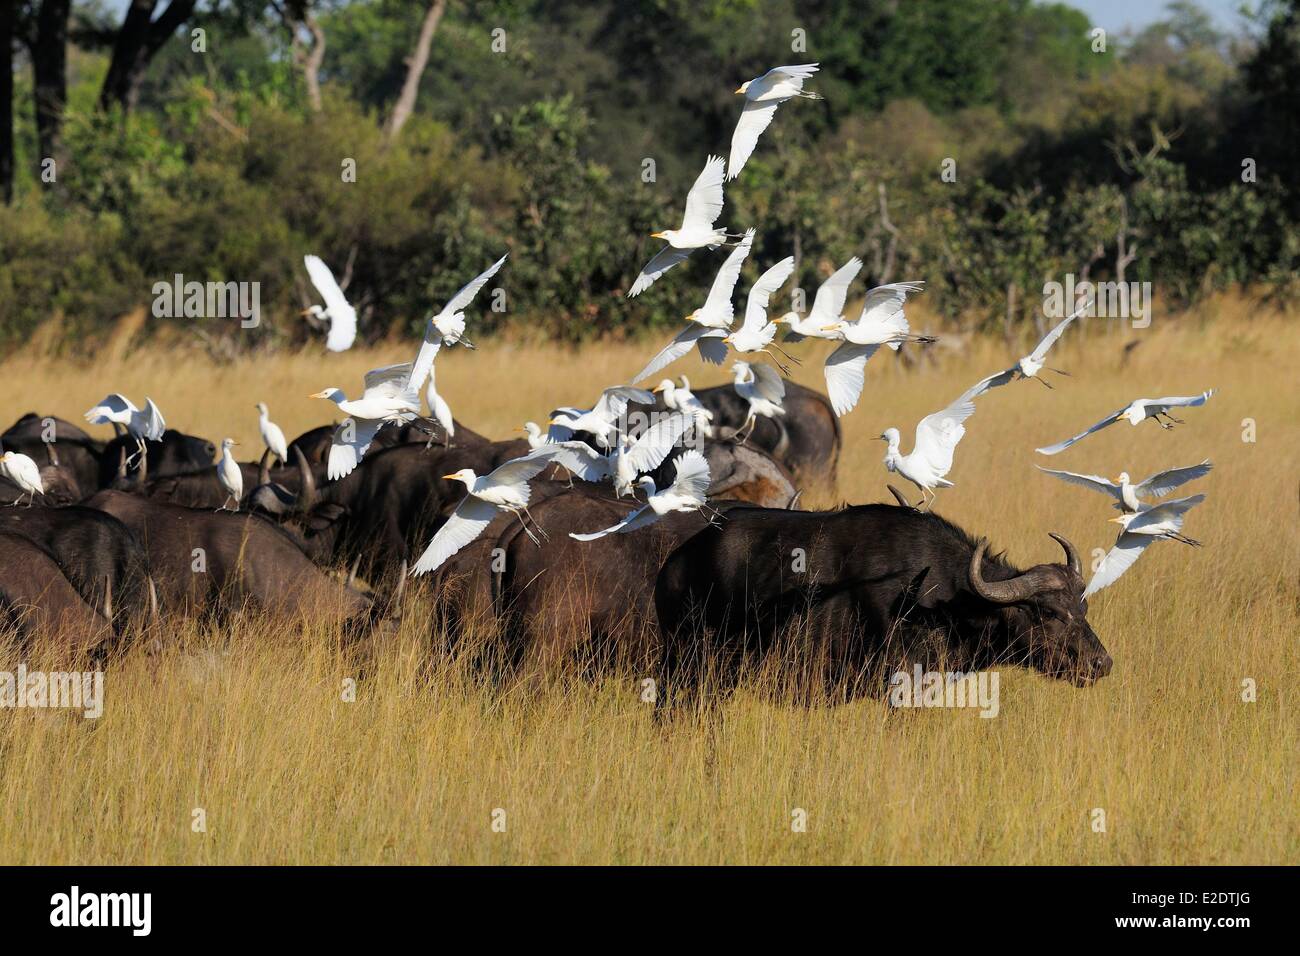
(1046, 616)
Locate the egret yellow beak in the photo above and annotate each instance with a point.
(739, 89)
(317, 395)
(656, 235)
(305, 312)
(657, 388)
(1115, 520)
(827, 328)
(448, 477)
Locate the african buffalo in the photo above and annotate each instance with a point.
(207, 562)
(176, 454)
(48, 440)
(96, 553)
(869, 590)
(39, 602)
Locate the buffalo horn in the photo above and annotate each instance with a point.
(899, 497)
(108, 599)
(1011, 591)
(142, 475)
(121, 463)
(52, 453)
(352, 574)
(264, 468)
(400, 589)
(1071, 556)
(153, 602)
(307, 487)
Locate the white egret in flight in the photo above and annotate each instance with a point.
(936, 439)
(1140, 529)
(23, 472)
(630, 457)
(1032, 364)
(763, 95)
(121, 413)
(272, 435)
(1136, 412)
(448, 326)
(703, 207)
(762, 388)
(687, 493)
(389, 397)
(882, 322)
(825, 314)
(228, 473)
(505, 489)
(711, 322)
(341, 316)
(1128, 496)
(756, 332)
(680, 398)
(601, 420)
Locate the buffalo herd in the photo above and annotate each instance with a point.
(122, 543)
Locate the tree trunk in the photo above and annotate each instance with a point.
(310, 63)
(8, 18)
(405, 104)
(50, 76)
(138, 41)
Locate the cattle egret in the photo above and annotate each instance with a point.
(388, 397)
(23, 472)
(882, 322)
(762, 96)
(272, 436)
(341, 316)
(762, 388)
(686, 493)
(703, 207)
(825, 314)
(601, 420)
(1140, 529)
(1032, 364)
(711, 321)
(936, 438)
(533, 432)
(1128, 496)
(448, 326)
(1136, 412)
(505, 489)
(630, 457)
(121, 413)
(228, 473)
(680, 398)
(756, 332)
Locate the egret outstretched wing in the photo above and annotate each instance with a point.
(719, 303)
(768, 383)
(351, 439)
(154, 426)
(761, 293)
(704, 201)
(937, 434)
(712, 349)
(1163, 482)
(692, 479)
(1169, 513)
(828, 305)
(1060, 446)
(1184, 401)
(1095, 482)
(754, 118)
(112, 408)
(392, 381)
(996, 380)
(582, 460)
(1118, 559)
(846, 374)
(465, 524)
(1041, 349)
(523, 469)
(343, 318)
(613, 402)
(637, 519)
(664, 260)
(656, 443)
(794, 75)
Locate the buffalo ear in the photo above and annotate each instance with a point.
(324, 516)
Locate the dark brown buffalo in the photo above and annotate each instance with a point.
(176, 454)
(39, 602)
(857, 594)
(207, 562)
(96, 552)
(48, 440)
(275, 490)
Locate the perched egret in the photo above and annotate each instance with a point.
(121, 413)
(228, 473)
(936, 438)
(762, 388)
(601, 420)
(703, 207)
(630, 457)
(763, 95)
(756, 332)
(680, 398)
(882, 322)
(828, 304)
(687, 493)
(23, 472)
(448, 326)
(505, 489)
(341, 316)
(1140, 528)
(711, 322)
(272, 436)
(1128, 496)
(1032, 364)
(1136, 412)
(388, 397)
(536, 438)
(439, 410)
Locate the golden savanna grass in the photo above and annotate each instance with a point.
(246, 721)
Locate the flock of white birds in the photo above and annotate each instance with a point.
(391, 395)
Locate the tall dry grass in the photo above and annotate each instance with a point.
(246, 721)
